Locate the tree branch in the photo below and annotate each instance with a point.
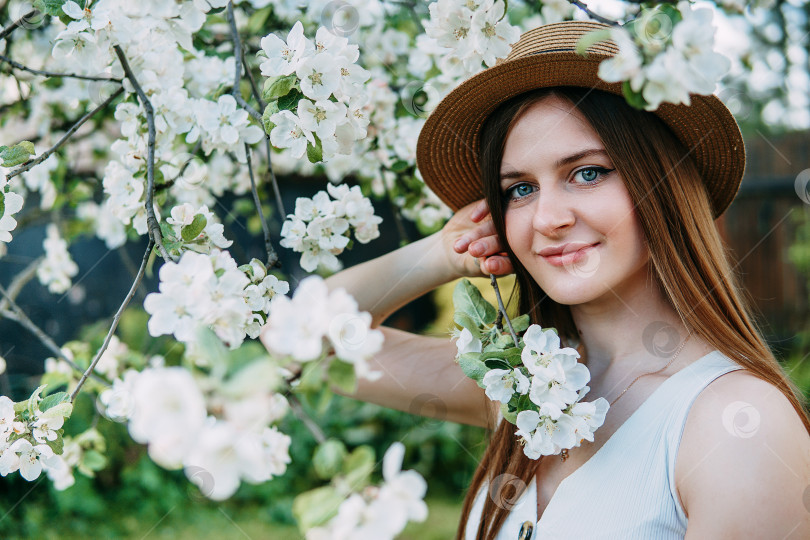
(22, 67)
(276, 191)
(19, 281)
(272, 256)
(31, 163)
(237, 75)
(116, 319)
(16, 24)
(16, 314)
(151, 220)
(593, 15)
(309, 423)
(502, 309)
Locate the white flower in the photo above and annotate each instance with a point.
(501, 384)
(321, 117)
(44, 428)
(403, 490)
(30, 457)
(467, 343)
(626, 64)
(283, 58)
(492, 34)
(168, 412)
(320, 76)
(541, 346)
(13, 203)
(58, 267)
(289, 132)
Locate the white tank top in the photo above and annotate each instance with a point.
(626, 490)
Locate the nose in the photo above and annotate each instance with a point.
(553, 213)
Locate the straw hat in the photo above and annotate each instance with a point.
(447, 150)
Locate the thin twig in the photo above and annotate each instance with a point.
(16, 24)
(42, 73)
(310, 424)
(151, 220)
(29, 164)
(16, 314)
(116, 319)
(593, 15)
(237, 75)
(272, 256)
(502, 309)
(279, 202)
(20, 281)
(170, 183)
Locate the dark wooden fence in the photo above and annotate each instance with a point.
(759, 228)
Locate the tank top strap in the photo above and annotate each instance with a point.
(688, 385)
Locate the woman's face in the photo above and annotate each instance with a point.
(562, 195)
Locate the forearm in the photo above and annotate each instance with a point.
(383, 285)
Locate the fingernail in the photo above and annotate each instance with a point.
(459, 244)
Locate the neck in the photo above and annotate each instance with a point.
(630, 330)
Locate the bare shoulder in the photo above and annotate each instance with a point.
(743, 466)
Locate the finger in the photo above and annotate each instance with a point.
(498, 265)
(483, 230)
(480, 211)
(484, 247)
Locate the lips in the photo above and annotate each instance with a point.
(567, 253)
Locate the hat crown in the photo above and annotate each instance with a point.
(559, 37)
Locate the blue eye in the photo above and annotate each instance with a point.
(518, 191)
(591, 175)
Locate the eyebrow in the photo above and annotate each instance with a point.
(560, 162)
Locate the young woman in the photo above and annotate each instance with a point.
(605, 214)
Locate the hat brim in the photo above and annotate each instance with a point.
(448, 145)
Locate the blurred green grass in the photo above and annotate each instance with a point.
(251, 523)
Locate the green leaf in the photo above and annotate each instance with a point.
(472, 367)
(509, 416)
(311, 377)
(2, 203)
(17, 154)
(93, 460)
(192, 230)
(34, 400)
(465, 321)
(256, 22)
(270, 110)
(290, 101)
(467, 299)
(358, 466)
(316, 507)
(57, 445)
(590, 38)
(328, 458)
(341, 374)
(520, 324)
(400, 166)
(497, 363)
(52, 400)
(277, 87)
(315, 152)
(634, 99)
(504, 341)
(50, 7)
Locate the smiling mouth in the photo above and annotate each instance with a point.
(564, 259)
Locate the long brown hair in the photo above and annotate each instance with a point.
(691, 265)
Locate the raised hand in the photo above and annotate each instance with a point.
(472, 246)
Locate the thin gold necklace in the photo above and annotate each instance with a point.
(527, 527)
(564, 453)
